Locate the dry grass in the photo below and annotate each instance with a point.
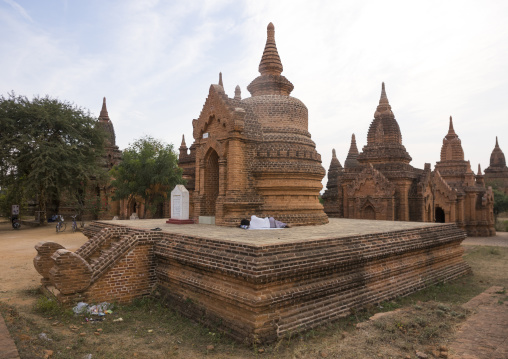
(423, 321)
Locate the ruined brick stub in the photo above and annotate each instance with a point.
(43, 261)
(254, 156)
(70, 272)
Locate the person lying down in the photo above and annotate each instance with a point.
(263, 223)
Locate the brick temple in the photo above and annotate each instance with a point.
(254, 156)
(379, 182)
(496, 175)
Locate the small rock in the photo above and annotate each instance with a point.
(97, 333)
(261, 350)
(443, 348)
(47, 353)
(435, 353)
(150, 330)
(323, 353)
(99, 330)
(25, 337)
(421, 355)
(68, 348)
(135, 354)
(210, 347)
(344, 334)
(55, 323)
(82, 334)
(408, 356)
(443, 355)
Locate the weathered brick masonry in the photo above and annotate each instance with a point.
(254, 291)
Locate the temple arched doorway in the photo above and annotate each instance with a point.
(211, 182)
(440, 215)
(368, 213)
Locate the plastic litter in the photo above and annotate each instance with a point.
(81, 307)
(118, 320)
(44, 336)
(87, 356)
(100, 309)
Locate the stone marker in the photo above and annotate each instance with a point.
(180, 206)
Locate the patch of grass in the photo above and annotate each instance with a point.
(47, 306)
(501, 225)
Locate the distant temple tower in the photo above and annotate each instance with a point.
(379, 183)
(496, 175)
(254, 156)
(113, 155)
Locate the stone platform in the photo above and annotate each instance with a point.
(258, 285)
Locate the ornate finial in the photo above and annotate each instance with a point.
(334, 155)
(384, 98)
(183, 142)
(384, 106)
(479, 170)
(497, 144)
(220, 79)
(270, 61)
(353, 139)
(238, 93)
(104, 111)
(451, 131)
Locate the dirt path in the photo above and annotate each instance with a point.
(485, 334)
(17, 271)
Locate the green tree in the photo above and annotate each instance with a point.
(149, 169)
(47, 146)
(500, 202)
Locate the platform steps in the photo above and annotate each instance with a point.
(105, 248)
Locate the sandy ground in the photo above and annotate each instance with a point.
(17, 251)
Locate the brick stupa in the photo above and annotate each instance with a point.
(254, 156)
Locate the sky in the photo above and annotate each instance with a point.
(154, 61)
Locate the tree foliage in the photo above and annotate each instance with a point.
(149, 169)
(500, 202)
(47, 146)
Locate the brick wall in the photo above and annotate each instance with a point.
(256, 292)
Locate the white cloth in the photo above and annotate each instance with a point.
(259, 223)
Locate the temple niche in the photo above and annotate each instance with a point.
(496, 175)
(254, 156)
(379, 183)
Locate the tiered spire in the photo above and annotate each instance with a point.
(104, 111)
(351, 159)
(451, 132)
(238, 93)
(384, 106)
(220, 80)
(335, 163)
(452, 146)
(183, 149)
(479, 170)
(271, 82)
(270, 61)
(497, 158)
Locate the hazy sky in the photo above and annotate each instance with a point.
(155, 60)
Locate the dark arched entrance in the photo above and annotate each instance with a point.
(440, 215)
(211, 182)
(368, 213)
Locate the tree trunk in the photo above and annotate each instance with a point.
(145, 208)
(43, 218)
